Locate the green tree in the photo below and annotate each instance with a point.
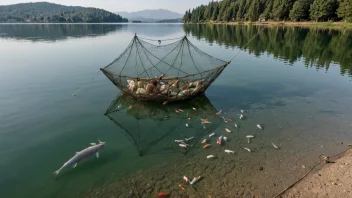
(216, 11)
(345, 10)
(255, 10)
(281, 9)
(267, 13)
(323, 10)
(300, 10)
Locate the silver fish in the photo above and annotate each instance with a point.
(275, 146)
(193, 181)
(247, 149)
(210, 156)
(229, 152)
(188, 139)
(260, 126)
(242, 111)
(83, 154)
(183, 145)
(225, 138)
(236, 125)
(211, 135)
(249, 137)
(187, 125)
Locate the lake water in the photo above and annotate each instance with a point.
(295, 81)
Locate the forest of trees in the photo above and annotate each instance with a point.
(276, 10)
(44, 12)
(316, 47)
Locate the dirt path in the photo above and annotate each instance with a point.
(333, 180)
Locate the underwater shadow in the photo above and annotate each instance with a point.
(153, 127)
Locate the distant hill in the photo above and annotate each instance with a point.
(150, 15)
(44, 12)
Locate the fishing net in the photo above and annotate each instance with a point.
(174, 71)
(153, 128)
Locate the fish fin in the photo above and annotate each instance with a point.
(74, 165)
(57, 172)
(97, 154)
(93, 143)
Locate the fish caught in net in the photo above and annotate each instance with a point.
(168, 72)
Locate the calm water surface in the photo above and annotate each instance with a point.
(295, 81)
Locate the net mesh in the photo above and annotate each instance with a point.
(171, 72)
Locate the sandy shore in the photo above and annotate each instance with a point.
(332, 180)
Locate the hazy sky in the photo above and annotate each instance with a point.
(124, 5)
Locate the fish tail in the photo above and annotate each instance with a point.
(57, 172)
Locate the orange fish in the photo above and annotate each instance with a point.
(163, 194)
(164, 103)
(206, 122)
(177, 111)
(181, 186)
(204, 141)
(218, 113)
(202, 120)
(186, 179)
(207, 146)
(219, 141)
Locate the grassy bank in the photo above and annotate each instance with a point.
(332, 25)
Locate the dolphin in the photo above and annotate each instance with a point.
(83, 154)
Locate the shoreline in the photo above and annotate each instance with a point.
(330, 180)
(326, 25)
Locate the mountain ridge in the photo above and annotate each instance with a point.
(150, 15)
(45, 12)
